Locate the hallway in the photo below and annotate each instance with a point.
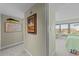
(14, 51)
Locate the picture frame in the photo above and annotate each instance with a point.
(32, 24)
(12, 25)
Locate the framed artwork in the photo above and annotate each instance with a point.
(32, 24)
(12, 25)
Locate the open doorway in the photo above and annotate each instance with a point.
(67, 29)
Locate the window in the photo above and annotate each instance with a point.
(57, 29)
(74, 28)
(64, 29)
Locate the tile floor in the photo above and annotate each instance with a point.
(14, 51)
(19, 51)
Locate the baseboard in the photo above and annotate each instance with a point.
(14, 44)
(27, 51)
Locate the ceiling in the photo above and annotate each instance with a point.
(66, 11)
(63, 10)
(15, 9)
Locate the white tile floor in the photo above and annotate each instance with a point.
(19, 49)
(60, 48)
(14, 51)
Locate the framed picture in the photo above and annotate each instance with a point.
(32, 24)
(12, 25)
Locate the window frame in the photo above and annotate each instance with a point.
(72, 23)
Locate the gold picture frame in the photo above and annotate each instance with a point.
(32, 24)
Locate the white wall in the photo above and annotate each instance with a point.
(44, 42)
(36, 43)
(51, 20)
(12, 37)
